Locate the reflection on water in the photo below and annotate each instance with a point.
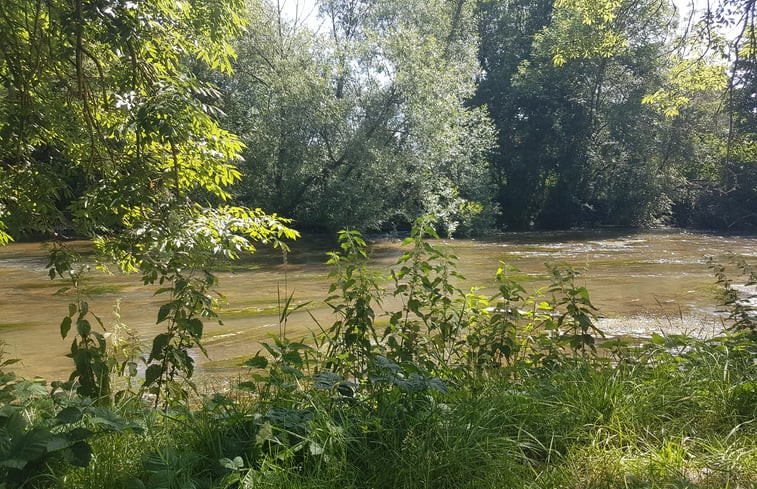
(641, 282)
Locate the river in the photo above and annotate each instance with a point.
(641, 281)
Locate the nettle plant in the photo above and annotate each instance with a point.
(735, 297)
(441, 331)
(370, 364)
(92, 364)
(353, 338)
(428, 329)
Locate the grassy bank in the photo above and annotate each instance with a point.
(658, 419)
(455, 390)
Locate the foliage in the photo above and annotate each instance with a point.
(585, 30)
(125, 350)
(100, 111)
(661, 416)
(42, 430)
(687, 77)
(497, 330)
(353, 339)
(92, 367)
(576, 146)
(177, 249)
(576, 315)
(106, 132)
(737, 298)
(534, 406)
(375, 101)
(428, 329)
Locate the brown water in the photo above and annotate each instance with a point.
(642, 282)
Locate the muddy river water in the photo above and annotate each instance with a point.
(642, 282)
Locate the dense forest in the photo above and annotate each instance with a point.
(176, 135)
(497, 115)
(368, 114)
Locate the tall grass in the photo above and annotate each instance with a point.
(659, 421)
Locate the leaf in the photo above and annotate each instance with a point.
(164, 312)
(30, 447)
(79, 454)
(65, 326)
(438, 385)
(106, 417)
(28, 390)
(257, 362)
(69, 415)
(274, 353)
(83, 327)
(191, 326)
(325, 380)
(236, 464)
(152, 374)
(315, 448)
(293, 358)
(78, 434)
(247, 386)
(657, 339)
(292, 371)
(158, 345)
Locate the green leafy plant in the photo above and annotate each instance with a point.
(428, 328)
(497, 323)
(741, 313)
(92, 364)
(576, 316)
(40, 430)
(125, 350)
(352, 340)
(176, 248)
(285, 371)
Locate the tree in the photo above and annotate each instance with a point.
(364, 125)
(576, 144)
(106, 132)
(708, 95)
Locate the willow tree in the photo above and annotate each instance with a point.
(364, 123)
(106, 133)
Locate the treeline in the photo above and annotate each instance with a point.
(487, 114)
(496, 114)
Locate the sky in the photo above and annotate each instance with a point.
(304, 10)
(307, 11)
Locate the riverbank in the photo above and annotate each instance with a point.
(656, 419)
(456, 389)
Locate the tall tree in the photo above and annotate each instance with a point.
(106, 132)
(576, 145)
(103, 127)
(364, 124)
(709, 94)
